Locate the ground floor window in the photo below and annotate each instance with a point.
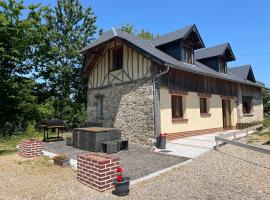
(177, 106)
(203, 105)
(99, 107)
(247, 104)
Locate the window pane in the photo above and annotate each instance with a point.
(177, 107)
(117, 58)
(203, 105)
(247, 104)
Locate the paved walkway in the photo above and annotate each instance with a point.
(192, 147)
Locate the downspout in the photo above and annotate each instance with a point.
(155, 96)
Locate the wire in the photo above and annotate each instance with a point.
(256, 54)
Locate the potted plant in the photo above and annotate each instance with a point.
(61, 160)
(121, 184)
(161, 141)
(68, 141)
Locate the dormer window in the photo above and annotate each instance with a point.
(187, 55)
(222, 65)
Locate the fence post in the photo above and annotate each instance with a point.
(246, 133)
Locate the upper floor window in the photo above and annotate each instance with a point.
(187, 55)
(223, 65)
(117, 61)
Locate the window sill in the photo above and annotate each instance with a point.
(179, 120)
(205, 114)
(249, 115)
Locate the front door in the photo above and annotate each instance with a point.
(226, 112)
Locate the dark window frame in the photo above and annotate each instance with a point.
(187, 54)
(203, 105)
(117, 58)
(177, 107)
(247, 105)
(222, 65)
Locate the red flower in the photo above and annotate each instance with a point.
(119, 178)
(162, 134)
(119, 170)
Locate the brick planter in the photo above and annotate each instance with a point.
(30, 148)
(97, 171)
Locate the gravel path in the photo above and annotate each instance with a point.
(231, 173)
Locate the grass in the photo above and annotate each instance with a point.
(9, 144)
(266, 122)
(258, 137)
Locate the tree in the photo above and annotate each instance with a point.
(266, 102)
(69, 28)
(19, 37)
(129, 28)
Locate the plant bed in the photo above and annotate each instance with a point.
(61, 160)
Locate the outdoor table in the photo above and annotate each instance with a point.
(46, 128)
(90, 139)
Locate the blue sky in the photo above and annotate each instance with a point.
(244, 24)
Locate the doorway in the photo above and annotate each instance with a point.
(226, 112)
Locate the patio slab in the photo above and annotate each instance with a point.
(139, 161)
(194, 146)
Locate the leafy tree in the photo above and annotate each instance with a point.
(129, 28)
(266, 102)
(69, 28)
(19, 37)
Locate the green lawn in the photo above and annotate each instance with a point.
(266, 122)
(8, 144)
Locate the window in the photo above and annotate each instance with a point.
(203, 105)
(223, 65)
(117, 54)
(187, 55)
(177, 106)
(99, 107)
(247, 104)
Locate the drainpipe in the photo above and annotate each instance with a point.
(156, 96)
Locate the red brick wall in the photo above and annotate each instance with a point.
(30, 148)
(97, 171)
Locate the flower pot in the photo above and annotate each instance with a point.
(62, 163)
(121, 188)
(68, 141)
(161, 142)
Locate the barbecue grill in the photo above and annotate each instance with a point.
(53, 124)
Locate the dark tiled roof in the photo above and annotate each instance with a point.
(176, 35)
(217, 50)
(147, 47)
(241, 71)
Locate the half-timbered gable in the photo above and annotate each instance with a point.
(134, 66)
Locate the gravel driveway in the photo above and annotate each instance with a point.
(231, 173)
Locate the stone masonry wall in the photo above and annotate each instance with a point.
(257, 110)
(128, 107)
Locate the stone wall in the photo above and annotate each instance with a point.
(257, 110)
(128, 107)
